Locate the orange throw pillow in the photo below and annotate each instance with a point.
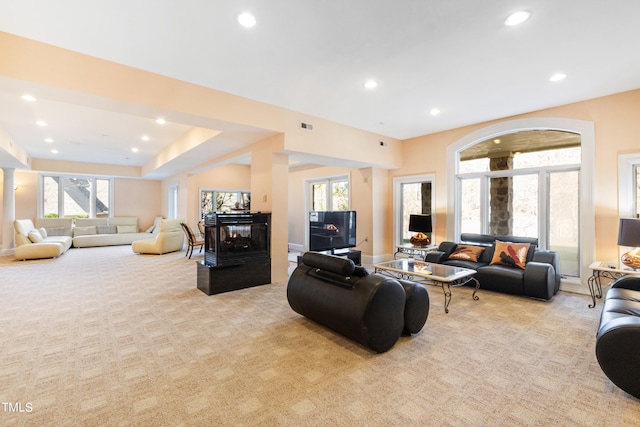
(511, 254)
(467, 253)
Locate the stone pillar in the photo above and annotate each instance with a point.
(8, 209)
(501, 197)
(425, 194)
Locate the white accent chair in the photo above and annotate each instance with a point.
(169, 239)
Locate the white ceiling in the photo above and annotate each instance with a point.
(314, 56)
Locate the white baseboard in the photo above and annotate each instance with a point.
(6, 252)
(295, 247)
(574, 285)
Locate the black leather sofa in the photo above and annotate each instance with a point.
(618, 338)
(540, 277)
(371, 309)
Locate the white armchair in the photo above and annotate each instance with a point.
(169, 239)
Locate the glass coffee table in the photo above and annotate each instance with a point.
(445, 276)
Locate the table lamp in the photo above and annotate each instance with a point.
(421, 224)
(629, 235)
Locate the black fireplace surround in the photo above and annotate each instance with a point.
(235, 238)
(237, 252)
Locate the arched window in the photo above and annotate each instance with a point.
(528, 177)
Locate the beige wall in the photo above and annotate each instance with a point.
(269, 193)
(25, 196)
(139, 198)
(368, 190)
(617, 131)
(84, 168)
(297, 186)
(106, 84)
(133, 197)
(228, 177)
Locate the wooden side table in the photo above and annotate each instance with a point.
(607, 270)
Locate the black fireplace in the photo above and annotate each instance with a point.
(235, 238)
(237, 252)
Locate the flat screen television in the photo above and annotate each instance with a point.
(332, 230)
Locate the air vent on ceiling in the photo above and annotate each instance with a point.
(307, 126)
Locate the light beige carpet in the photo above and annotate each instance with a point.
(104, 337)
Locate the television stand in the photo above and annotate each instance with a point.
(353, 254)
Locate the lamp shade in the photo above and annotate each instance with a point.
(629, 232)
(420, 223)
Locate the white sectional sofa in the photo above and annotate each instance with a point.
(89, 232)
(50, 238)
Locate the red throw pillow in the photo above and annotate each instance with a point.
(511, 254)
(467, 253)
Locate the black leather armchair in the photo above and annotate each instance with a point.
(618, 338)
(371, 309)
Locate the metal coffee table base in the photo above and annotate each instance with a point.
(446, 285)
(446, 288)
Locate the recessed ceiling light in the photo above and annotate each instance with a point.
(558, 77)
(144, 138)
(49, 140)
(134, 149)
(41, 123)
(247, 20)
(434, 111)
(370, 84)
(160, 121)
(517, 18)
(29, 98)
(497, 141)
(54, 151)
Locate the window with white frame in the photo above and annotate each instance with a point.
(173, 202)
(531, 194)
(412, 195)
(629, 185)
(70, 196)
(636, 193)
(628, 188)
(329, 194)
(224, 201)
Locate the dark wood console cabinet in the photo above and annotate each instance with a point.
(215, 280)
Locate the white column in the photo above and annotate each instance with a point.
(8, 209)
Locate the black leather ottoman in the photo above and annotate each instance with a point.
(371, 309)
